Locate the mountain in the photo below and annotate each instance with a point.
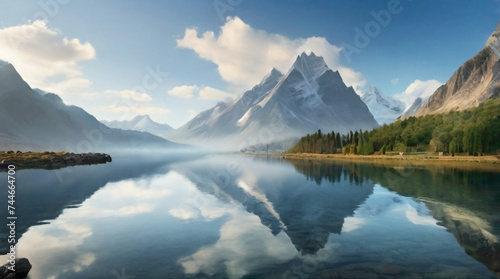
(32, 121)
(309, 97)
(385, 109)
(476, 81)
(417, 104)
(142, 123)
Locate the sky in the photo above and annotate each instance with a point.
(174, 59)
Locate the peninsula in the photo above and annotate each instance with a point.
(49, 160)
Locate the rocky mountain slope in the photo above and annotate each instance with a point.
(476, 81)
(32, 121)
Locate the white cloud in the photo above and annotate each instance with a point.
(241, 234)
(244, 55)
(352, 78)
(184, 91)
(126, 109)
(45, 58)
(352, 224)
(417, 89)
(129, 95)
(395, 81)
(129, 103)
(184, 213)
(418, 219)
(209, 93)
(192, 113)
(204, 93)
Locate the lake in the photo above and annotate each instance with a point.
(233, 216)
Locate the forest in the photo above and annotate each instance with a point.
(475, 131)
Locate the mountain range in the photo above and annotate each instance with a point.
(36, 120)
(142, 123)
(310, 96)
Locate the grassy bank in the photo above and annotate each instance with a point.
(482, 163)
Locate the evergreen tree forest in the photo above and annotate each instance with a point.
(475, 131)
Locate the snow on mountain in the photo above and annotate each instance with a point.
(385, 109)
(142, 123)
(309, 97)
(36, 120)
(226, 119)
(419, 102)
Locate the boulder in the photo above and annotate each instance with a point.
(22, 268)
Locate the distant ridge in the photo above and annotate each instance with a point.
(40, 121)
(142, 123)
(385, 109)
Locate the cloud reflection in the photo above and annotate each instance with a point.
(56, 248)
(244, 246)
(382, 202)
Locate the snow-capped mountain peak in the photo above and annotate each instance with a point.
(142, 123)
(417, 104)
(310, 66)
(385, 109)
(273, 75)
(309, 97)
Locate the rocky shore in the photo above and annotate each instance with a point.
(22, 268)
(49, 160)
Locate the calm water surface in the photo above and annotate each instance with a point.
(256, 217)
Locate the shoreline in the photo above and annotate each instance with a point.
(490, 163)
(49, 160)
(491, 159)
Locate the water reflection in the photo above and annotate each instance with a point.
(43, 194)
(307, 211)
(239, 217)
(465, 202)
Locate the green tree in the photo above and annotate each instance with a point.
(452, 149)
(476, 131)
(382, 150)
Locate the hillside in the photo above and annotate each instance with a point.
(476, 81)
(474, 131)
(36, 122)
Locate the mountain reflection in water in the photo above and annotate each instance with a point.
(257, 217)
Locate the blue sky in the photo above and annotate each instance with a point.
(117, 59)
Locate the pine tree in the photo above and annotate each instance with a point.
(338, 142)
(361, 144)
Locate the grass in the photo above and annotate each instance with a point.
(49, 160)
(490, 163)
(29, 156)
